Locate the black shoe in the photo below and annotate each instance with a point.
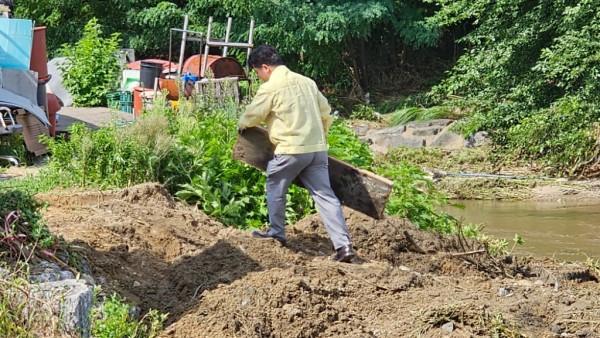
(268, 234)
(344, 254)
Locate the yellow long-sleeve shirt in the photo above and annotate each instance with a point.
(296, 114)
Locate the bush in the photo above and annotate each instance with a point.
(414, 195)
(346, 146)
(22, 226)
(114, 156)
(113, 319)
(565, 139)
(528, 71)
(92, 69)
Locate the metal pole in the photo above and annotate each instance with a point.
(227, 32)
(230, 44)
(250, 44)
(183, 39)
(170, 47)
(206, 47)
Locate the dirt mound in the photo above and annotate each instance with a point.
(218, 281)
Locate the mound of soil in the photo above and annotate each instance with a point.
(216, 281)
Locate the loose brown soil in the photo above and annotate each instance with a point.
(220, 282)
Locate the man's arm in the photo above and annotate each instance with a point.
(257, 111)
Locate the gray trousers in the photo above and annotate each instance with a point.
(311, 169)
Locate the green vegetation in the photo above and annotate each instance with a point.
(23, 230)
(344, 145)
(113, 156)
(190, 152)
(414, 195)
(337, 42)
(364, 112)
(14, 321)
(91, 69)
(114, 319)
(13, 146)
(516, 67)
(529, 77)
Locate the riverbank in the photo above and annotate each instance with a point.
(476, 174)
(562, 191)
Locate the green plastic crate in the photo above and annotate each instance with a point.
(126, 107)
(126, 102)
(112, 100)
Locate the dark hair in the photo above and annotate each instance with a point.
(264, 55)
(10, 5)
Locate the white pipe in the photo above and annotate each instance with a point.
(206, 47)
(227, 32)
(250, 43)
(183, 40)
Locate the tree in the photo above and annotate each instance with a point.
(531, 68)
(331, 39)
(92, 69)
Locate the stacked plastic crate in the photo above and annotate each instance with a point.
(122, 101)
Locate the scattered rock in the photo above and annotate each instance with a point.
(557, 329)
(503, 292)
(479, 139)
(448, 327)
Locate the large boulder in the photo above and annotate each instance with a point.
(434, 134)
(69, 300)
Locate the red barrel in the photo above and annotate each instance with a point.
(138, 103)
(39, 59)
(219, 66)
(53, 108)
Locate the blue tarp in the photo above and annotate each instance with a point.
(16, 39)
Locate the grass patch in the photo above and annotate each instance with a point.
(114, 319)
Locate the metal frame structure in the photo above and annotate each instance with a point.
(8, 126)
(226, 44)
(206, 42)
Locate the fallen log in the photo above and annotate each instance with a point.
(356, 188)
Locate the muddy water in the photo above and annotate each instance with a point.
(568, 232)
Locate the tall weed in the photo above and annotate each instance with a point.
(112, 156)
(413, 195)
(14, 321)
(113, 319)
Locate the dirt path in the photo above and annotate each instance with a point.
(221, 282)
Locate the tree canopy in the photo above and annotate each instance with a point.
(530, 74)
(335, 41)
(517, 67)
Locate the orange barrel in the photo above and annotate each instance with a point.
(219, 66)
(39, 60)
(171, 86)
(138, 103)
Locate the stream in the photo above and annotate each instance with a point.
(567, 232)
